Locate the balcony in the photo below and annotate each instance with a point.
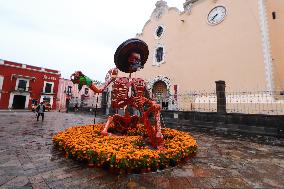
(47, 93)
(22, 90)
(22, 76)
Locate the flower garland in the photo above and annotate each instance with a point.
(129, 152)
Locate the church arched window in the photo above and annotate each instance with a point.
(159, 31)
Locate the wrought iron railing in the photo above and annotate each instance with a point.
(21, 89)
(249, 102)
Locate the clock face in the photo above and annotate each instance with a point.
(216, 15)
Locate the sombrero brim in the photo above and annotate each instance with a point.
(125, 49)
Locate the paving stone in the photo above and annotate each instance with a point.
(13, 171)
(19, 181)
(183, 172)
(56, 184)
(36, 179)
(199, 182)
(11, 162)
(40, 185)
(201, 172)
(132, 184)
(236, 182)
(4, 179)
(179, 183)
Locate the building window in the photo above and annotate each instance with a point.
(46, 99)
(86, 91)
(69, 89)
(48, 88)
(273, 15)
(159, 54)
(22, 85)
(1, 82)
(160, 93)
(159, 31)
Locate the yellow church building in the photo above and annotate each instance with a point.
(240, 42)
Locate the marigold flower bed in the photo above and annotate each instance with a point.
(129, 152)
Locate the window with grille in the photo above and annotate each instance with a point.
(86, 91)
(46, 99)
(273, 15)
(159, 31)
(159, 54)
(69, 89)
(48, 88)
(22, 84)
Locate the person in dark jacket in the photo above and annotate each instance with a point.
(40, 109)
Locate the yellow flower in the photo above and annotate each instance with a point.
(85, 142)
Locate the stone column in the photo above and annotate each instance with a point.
(221, 96)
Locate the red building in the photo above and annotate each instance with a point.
(21, 85)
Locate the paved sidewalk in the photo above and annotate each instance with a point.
(28, 160)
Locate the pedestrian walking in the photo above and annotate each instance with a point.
(40, 109)
(76, 107)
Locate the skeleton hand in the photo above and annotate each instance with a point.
(114, 73)
(75, 77)
(79, 78)
(111, 75)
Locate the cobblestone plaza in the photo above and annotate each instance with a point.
(29, 160)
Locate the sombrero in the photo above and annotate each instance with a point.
(125, 49)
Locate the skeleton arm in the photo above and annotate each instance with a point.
(79, 78)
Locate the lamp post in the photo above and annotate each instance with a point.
(68, 96)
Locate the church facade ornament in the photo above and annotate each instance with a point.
(150, 83)
(161, 8)
(170, 98)
(165, 79)
(187, 6)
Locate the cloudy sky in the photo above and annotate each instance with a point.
(69, 35)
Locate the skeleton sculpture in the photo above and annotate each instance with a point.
(127, 92)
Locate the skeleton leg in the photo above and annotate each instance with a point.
(158, 124)
(155, 134)
(121, 122)
(109, 121)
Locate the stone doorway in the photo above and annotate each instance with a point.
(160, 94)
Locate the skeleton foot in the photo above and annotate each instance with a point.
(104, 133)
(161, 147)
